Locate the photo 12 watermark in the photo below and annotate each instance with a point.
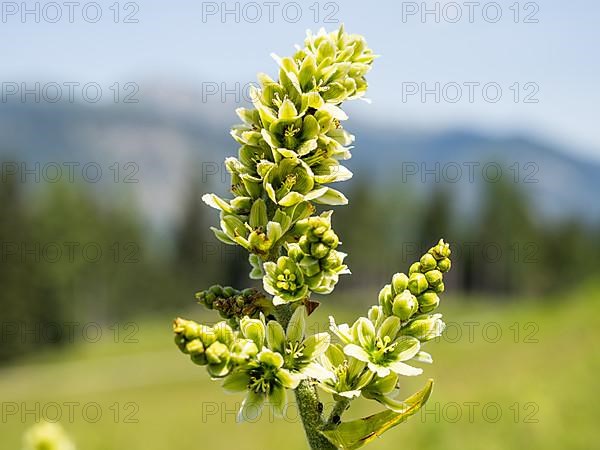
(51, 92)
(69, 12)
(452, 92)
(470, 12)
(69, 252)
(460, 171)
(270, 12)
(69, 412)
(68, 332)
(51, 172)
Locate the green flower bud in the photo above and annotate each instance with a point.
(208, 300)
(441, 250)
(414, 268)
(217, 353)
(199, 359)
(428, 262)
(425, 329)
(385, 298)
(417, 283)
(444, 265)
(428, 301)
(333, 260)
(181, 342)
(319, 250)
(295, 252)
(439, 288)
(194, 347)
(405, 305)
(399, 283)
(242, 351)
(434, 277)
(223, 333)
(330, 239)
(304, 244)
(228, 291)
(310, 266)
(374, 313)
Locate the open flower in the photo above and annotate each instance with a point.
(382, 349)
(349, 374)
(284, 280)
(300, 352)
(284, 360)
(265, 379)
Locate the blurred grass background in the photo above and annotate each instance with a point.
(540, 382)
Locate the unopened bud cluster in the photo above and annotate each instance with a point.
(233, 304)
(417, 292)
(378, 347)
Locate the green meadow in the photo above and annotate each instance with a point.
(518, 374)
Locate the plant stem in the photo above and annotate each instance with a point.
(337, 411)
(310, 410)
(310, 407)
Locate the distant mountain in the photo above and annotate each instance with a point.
(169, 140)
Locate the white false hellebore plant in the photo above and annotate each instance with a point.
(291, 144)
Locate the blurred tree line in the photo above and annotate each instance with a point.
(70, 256)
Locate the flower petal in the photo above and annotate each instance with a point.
(236, 382)
(318, 372)
(275, 336)
(278, 399)
(316, 345)
(297, 325)
(251, 407)
(404, 369)
(356, 352)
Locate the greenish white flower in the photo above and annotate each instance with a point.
(383, 349)
(265, 379)
(349, 374)
(284, 280)
(425, 328)
(300, 352)
(285, 358)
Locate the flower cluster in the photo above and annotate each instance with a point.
(375, 349)
(291, 144)
(312, 263)
(261, 358)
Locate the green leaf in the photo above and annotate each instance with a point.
(356, 433)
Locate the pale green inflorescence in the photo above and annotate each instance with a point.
(292, 142)
(261, 358)
(291, 145)
(377, 349)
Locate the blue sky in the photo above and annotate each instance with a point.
(172, 43)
